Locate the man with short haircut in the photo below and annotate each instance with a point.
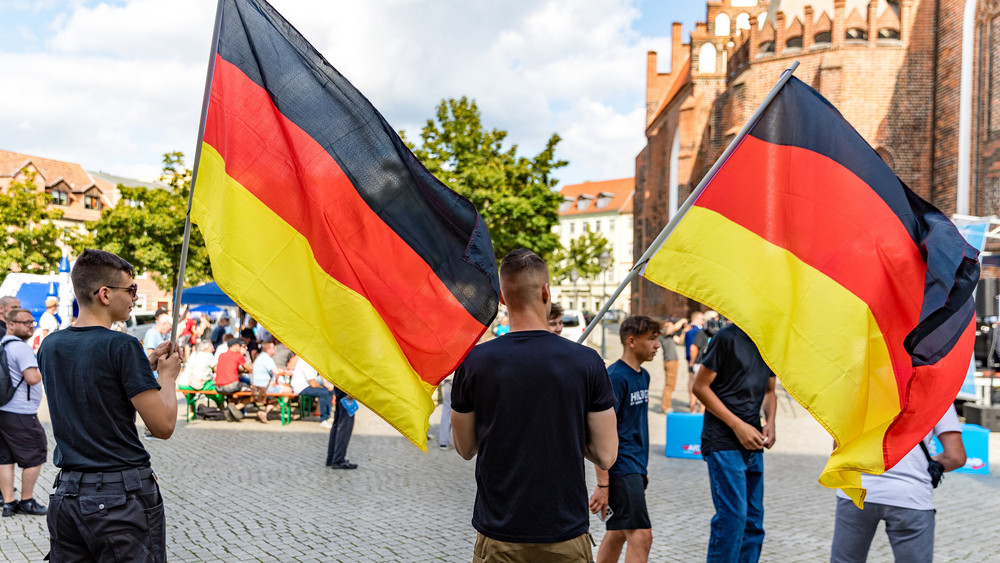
(158, 333)
(22, 438)
(230, 364)
(623, 487)
(7, 302)
(532, 405)
(106, 505)
(264, 373)
(734, 384)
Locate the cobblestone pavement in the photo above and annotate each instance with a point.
(250, 492)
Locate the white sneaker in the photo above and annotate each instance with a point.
(328, 423)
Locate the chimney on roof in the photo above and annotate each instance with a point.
(676, 47)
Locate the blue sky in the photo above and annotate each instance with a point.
(114, 84)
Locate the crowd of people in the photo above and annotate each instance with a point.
(529, 405)
(577, 409)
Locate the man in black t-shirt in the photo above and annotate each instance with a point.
(733, 384)
(106, 504)
(532, 405)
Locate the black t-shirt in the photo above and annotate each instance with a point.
(217, 333)
(741, 383)
(701, 341)
(531, 392)
(90, 376)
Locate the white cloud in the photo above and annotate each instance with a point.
(121, 84)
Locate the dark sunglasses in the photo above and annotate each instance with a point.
(133, 289)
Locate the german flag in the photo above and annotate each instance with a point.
(324, 227)
(857, 293)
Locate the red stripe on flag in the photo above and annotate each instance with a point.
(931, 390)
(294, 176)
(830, 219)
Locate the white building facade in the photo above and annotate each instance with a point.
(603, 207)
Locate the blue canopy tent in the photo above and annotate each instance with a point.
(206, 294)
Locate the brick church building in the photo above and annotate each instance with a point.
(892, 67)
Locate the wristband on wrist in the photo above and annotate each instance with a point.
(602, 486)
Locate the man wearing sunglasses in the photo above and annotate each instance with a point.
(106, 504)
(22, 438)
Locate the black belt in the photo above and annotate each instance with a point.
(131, 477)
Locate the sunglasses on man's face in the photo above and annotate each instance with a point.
(133, 289)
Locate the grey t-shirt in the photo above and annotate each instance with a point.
(19, 358)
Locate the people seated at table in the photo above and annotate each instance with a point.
(224, 345)
(306, 382)
(227, 375)
(265, 375)
(199, 371)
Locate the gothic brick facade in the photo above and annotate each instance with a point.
(892, 68)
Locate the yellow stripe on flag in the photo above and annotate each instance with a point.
(832, 353)
(268, 268)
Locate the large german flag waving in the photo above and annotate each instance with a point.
(323, 226)
(857, 292)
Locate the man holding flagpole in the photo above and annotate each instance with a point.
(532, 405)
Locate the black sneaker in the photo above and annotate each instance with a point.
(31, 507)
(9, 508)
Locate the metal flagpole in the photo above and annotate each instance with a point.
(179, 288)
(689, 203)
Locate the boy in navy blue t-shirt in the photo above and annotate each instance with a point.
(623, 487)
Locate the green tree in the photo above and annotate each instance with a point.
(514, 194)
(30, 238)
(582, 255)
(147, 228)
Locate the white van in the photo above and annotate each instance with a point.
(573, 324)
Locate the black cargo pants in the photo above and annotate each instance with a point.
(112, 516)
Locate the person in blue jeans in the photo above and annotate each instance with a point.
(733, 384)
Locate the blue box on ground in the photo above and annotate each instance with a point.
(684, 435)
(976, 440)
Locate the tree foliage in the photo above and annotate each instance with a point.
(30, 238)
(147, 228)
(583, 255)
(514, 194)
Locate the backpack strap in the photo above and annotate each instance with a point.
(3, 350)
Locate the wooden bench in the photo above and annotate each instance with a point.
(284, 401)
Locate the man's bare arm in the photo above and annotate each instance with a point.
(602, 438)
(158, 408)
(770, 410)
(749, 437)
(463, 432)
(953, 455)
(32, 376)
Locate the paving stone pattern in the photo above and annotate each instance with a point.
(250, 492)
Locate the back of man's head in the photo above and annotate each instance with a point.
(638, 326)
(522, 276)
(94, 269)
(8, 302)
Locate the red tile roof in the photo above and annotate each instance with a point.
(620, 192)
(51, 170)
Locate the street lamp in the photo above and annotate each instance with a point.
(604, 260)
(573, 276)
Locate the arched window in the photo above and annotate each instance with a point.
(856, 34)
(822, 38)
(722, 24)
(742, 21)
(765, 48)
(794, 42)
(888, 33)
(706, 58)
